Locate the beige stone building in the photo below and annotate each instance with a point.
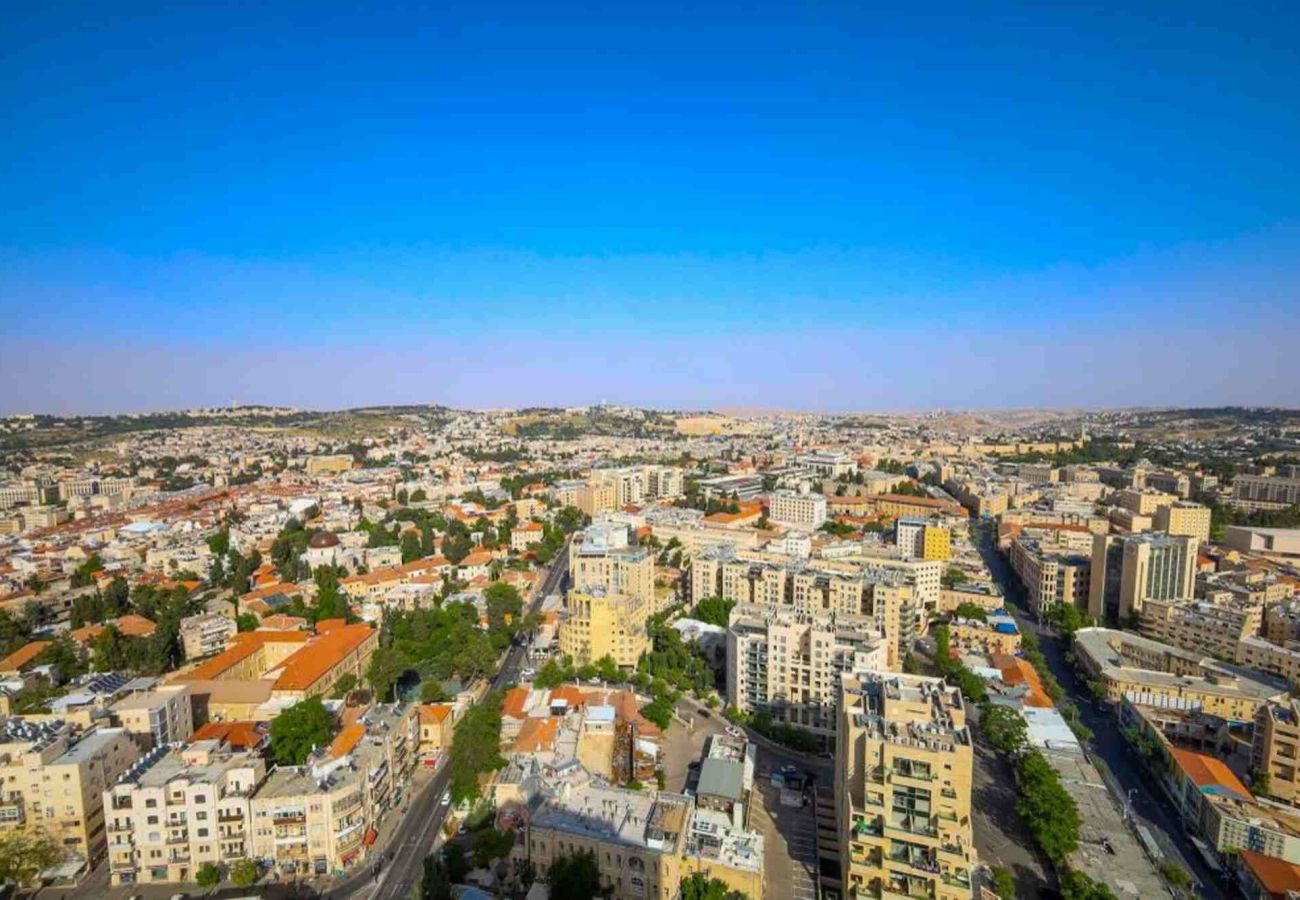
(55, 782)
(1216, 629)
(644, 843)
(1051, 579)
(1275, 748)
(903, 788)
(1183, 518)
(177, 810)
(1127, 570)
(796, 510)
(598, 623)
(163, 715)
(206, 634)
(789, 664)
(596, 563)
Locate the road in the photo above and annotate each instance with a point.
(414, 837)
(1148, 806)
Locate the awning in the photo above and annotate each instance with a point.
(371, 837)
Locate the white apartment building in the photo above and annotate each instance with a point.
(796, 510)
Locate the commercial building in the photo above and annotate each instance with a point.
(598, 623)
(1129, 569)
(1184, 518)
(923, 538)
(1148, 673)
(1050, 578)
(903, 787)
(1216, 629)
(789, 664)
(796, 510)
(55, 782)
(1284, 542)
(1259, 492)
(176, 810)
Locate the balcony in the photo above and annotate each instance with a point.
(230, 817)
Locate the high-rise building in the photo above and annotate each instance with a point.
(1256, 492)
(600, 558)
(1129, 569)
(1050, 578)
(903, 786)
(789, 664)
(599, 623)
(1275, 748)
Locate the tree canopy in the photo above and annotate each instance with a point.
(299, 729)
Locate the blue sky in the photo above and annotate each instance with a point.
(813, 206)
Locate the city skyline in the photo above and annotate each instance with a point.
(818, 208)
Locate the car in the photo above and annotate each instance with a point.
(528, 674)
(704, 713)
(446, 799)
(735, 732)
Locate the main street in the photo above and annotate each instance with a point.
(1146, 806)
(415, 834)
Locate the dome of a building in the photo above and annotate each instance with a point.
(322, 539)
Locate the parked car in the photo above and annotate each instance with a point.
(735, 732)
(446, 799)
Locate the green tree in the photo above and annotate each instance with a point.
(699, 886)
(84, 574)
(1004, 728)
(298, 730)
(1046, 807)
(490, 844)
(475, 746)
(432, 691)
(208, 876)
(575, 877)
(244, 873)
(24, 853)
(1077, 885)
(968, 610)
(1004, 883)
(1176, 875)
(435, 882)
(714, 610)
(344, 686)
(410, 546)
(387, 665)
(247, 622)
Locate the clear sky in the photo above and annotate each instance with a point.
(820, 206)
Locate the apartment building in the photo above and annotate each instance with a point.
(1184, 518)
(644, 843)
(601, 558)
(1150, 674)
(903, 767)
(177, 809)
(598, 623)
(1282, 660)
(54, 781)
(874, 590)
(595, 497)
(1283, 542)
(923, 538)
(1143, 502)
(313, 819)
(1216, 629)
(789, 664)
(1050, 578)
(206, 634)
(1130, 569)
(797, 510)
(156, 717)
(1275, 748)
(1170, 483)
(1259, 492)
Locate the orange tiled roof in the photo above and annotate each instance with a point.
(346, 741)
(241, 647)
(513, 705)
(309, 664)
(283, 622)
(434, 712)
(1209, 772)
(280, 587)
(537, 735)
(569, 693)
(23, 656)
(238, 735)
(1277, 876)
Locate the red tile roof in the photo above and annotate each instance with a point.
(1209, 772)
(1277, 876)
(23, 656)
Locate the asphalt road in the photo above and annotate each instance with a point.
(414, 837)
(1147, 805)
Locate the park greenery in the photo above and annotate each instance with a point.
(575, 877)
(968, 610)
